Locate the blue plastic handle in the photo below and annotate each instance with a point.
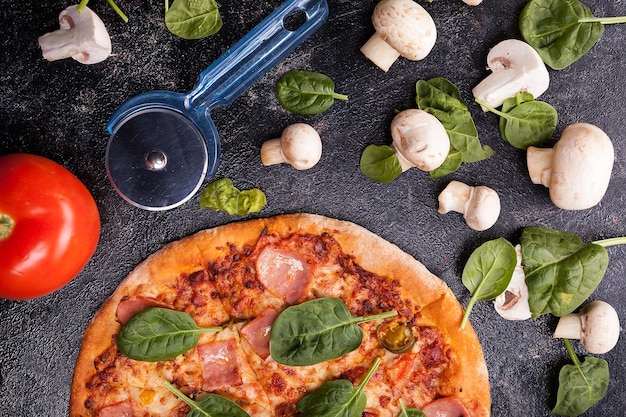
(254, 54)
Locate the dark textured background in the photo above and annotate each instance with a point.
(60, 110)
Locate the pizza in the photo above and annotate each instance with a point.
(242, 278)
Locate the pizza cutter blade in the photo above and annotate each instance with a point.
(164, 144)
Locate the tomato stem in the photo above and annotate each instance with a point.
(6, 226)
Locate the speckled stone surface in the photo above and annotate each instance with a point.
(59, 110)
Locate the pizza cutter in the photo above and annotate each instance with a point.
(164, 144)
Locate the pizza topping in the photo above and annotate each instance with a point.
(129, 306)
(257, 332)
(283, 274)
(220, 364)
(446, 407)
(209, 405)
(121, 409)
(395, 336)
(159, 334)
(317, 331)
(337, 397)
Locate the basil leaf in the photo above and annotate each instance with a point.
(306, 92)
(555, 28)
(210, 405)
(409, 412)
(488, 272)
(561, 271)
(525, 122)
(158, 334)
(581, 385)
(316, 331)
(338, 398)
(222, 195)
(193, 19)
(442, 99)
(379, 163)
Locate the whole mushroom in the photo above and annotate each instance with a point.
(420, 140)
(577, 170)
(479, 205)
(82, 36)
(512, 304)
(403, 27)
(596, 325)
(516, 67)
(299, 145)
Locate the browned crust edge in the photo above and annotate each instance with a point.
(468, 379)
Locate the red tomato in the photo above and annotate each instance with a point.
(55, 226)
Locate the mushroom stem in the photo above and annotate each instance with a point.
(380, 52)
(271, 153)
(539, 161)
(569, 327)
(454, 197)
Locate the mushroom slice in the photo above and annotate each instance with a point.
(512, 304)
(516, 67)
(81, 36)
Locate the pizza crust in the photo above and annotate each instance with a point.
(468, 379)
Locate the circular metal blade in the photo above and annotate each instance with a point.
(156, 159)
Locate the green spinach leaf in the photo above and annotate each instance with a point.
(525, 121)
(222, 195)
(193, 19)
(114, 6)
(380, 163)
(306, 92)
(158, 334)
(316, 331)
(451, 164)
(338, 398)
(210, 405)
(409, 412)
(442, 99)
(488, 272)
(561, 271)
(561, 31)
(581, 385)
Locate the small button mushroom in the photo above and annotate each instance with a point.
(419, 139)
(596, 325)
(472, 2)
(299, 145)
(81, 36)
(512, 304)
(479, 205)
(516, 67)
(577, 169)
(403, 27)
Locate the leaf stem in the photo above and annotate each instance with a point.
(118, 10)
(368, 375)
(384, 315)
(611, 242)
(490, 108)
(468, 310)
(180, 395)
(603, 20)
(572, 354)
(340, 96)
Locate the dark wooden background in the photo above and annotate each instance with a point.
(59, 110)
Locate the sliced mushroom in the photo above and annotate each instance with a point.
(516, 67)
(403, 27)
(419, 139)
(479, 205)
(299, 145)
(577, 170)
(512, 304)
(596, 325)
(81, 36)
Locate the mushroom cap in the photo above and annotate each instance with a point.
(406, 27)
(419, 139)
(516, 67)
(582, 163)
(600, 327)
(483, 208)
(81, 36)
(301, 146)
(512, 304)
